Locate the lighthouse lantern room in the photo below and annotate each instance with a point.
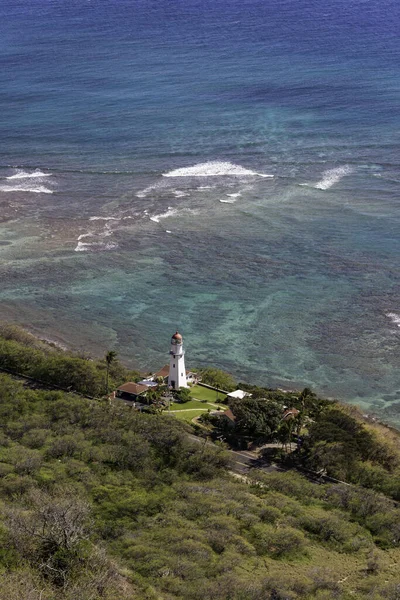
(177, 371)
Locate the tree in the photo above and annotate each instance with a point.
(51, 533)
(218, 379)
(110, 357)
(284, 433)
(257, 417)
(182, 395)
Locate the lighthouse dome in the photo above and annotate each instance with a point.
(177, 336)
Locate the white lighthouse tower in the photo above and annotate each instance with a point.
(177, 372)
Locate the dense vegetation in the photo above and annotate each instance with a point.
(347, 449)
(77, 475)
(102, 502)
(217, 379)
(329, 437)
(21, 352)
(99, 501)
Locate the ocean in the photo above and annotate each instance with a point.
(228, 169)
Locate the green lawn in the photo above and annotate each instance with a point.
(190, 404)
(187, 416)
(188, 410)
(202, 393)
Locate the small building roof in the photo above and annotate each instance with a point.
(133, 388)
(224, 413)
(229, 415)
(237, 394)
(164, 372)
(290, 413)
(148, 382)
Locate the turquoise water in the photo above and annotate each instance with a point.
(229, 170)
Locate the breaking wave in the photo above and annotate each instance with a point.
(84, 235)
(21, 181)
(332, 176)
(394, 317)
(20, 174)
(214, 169)
(150, 188)
(232, 198)
(95, 246)
(38, 189)
(169, 213)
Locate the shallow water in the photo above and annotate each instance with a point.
(231, 171)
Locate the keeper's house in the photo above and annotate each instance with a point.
(133, 392)
(163, 373)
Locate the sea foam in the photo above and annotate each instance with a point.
(394, 317)
(20, 174)
(169, 213)
(150, 188)
(332, 176)
(38, 189)
(84, 235)
(214, 169)
(95, 246)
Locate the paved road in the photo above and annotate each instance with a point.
(243, 461)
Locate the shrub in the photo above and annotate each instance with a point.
(277, 543)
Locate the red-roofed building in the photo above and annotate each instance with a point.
(132, 391)
(226, 417)
(290, 413)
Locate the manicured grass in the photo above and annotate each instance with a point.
(189, 415)
(203, 400)
(190, 404)
(202, 393)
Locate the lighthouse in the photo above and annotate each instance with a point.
(177, 372)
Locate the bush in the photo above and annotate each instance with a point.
(278, 543)
(182, 395)
(218, 379)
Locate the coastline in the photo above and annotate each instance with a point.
(369, 418)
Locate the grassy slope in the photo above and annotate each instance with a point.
(203, 400)
(202, 393)
(160, 519)
(172, 524)
(189, 415)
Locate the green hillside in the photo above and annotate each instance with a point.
(101, 502)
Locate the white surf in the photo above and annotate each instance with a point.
(169, 213)
(39, 189)
(332, 176)
(394, 317)
(20, 174)
(214, 169)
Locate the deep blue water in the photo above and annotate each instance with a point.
(288, 280)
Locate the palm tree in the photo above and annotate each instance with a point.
(305, 398)
(110, 357)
